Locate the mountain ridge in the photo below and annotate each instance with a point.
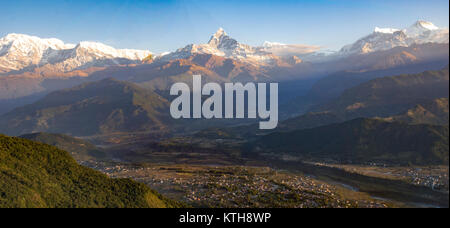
(108, 105)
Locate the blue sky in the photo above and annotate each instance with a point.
(167, 25)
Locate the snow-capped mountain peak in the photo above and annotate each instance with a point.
(15, 39)
(19, 51)
(425, 25)
(220, 33)
(419, 28)
(221, 44)
(386, 38)
(222, 41)
(218, 37)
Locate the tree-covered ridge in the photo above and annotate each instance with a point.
(363, 140)
(39, 176)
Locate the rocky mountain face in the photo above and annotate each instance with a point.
(22, 53)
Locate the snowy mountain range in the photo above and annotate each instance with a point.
(24, 53)
(382, 39)
(387, 38)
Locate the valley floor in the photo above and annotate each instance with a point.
(264, 187)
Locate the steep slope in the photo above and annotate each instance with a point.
(35, 175)
(79, 149)
(390, 95)
(360, 141)
(105, 106)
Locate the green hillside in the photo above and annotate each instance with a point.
(362, 140)
(105, 106)
(78, 149)
(38, 175)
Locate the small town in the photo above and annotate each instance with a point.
(239, 187)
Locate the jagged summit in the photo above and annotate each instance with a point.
(221, 44)
(220, 33)
(221, 40)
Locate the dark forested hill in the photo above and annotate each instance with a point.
(362, 140)
(38, 175)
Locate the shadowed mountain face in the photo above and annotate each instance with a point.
(35, 175)
(362, 140)
(390, 95)
(106, 106)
